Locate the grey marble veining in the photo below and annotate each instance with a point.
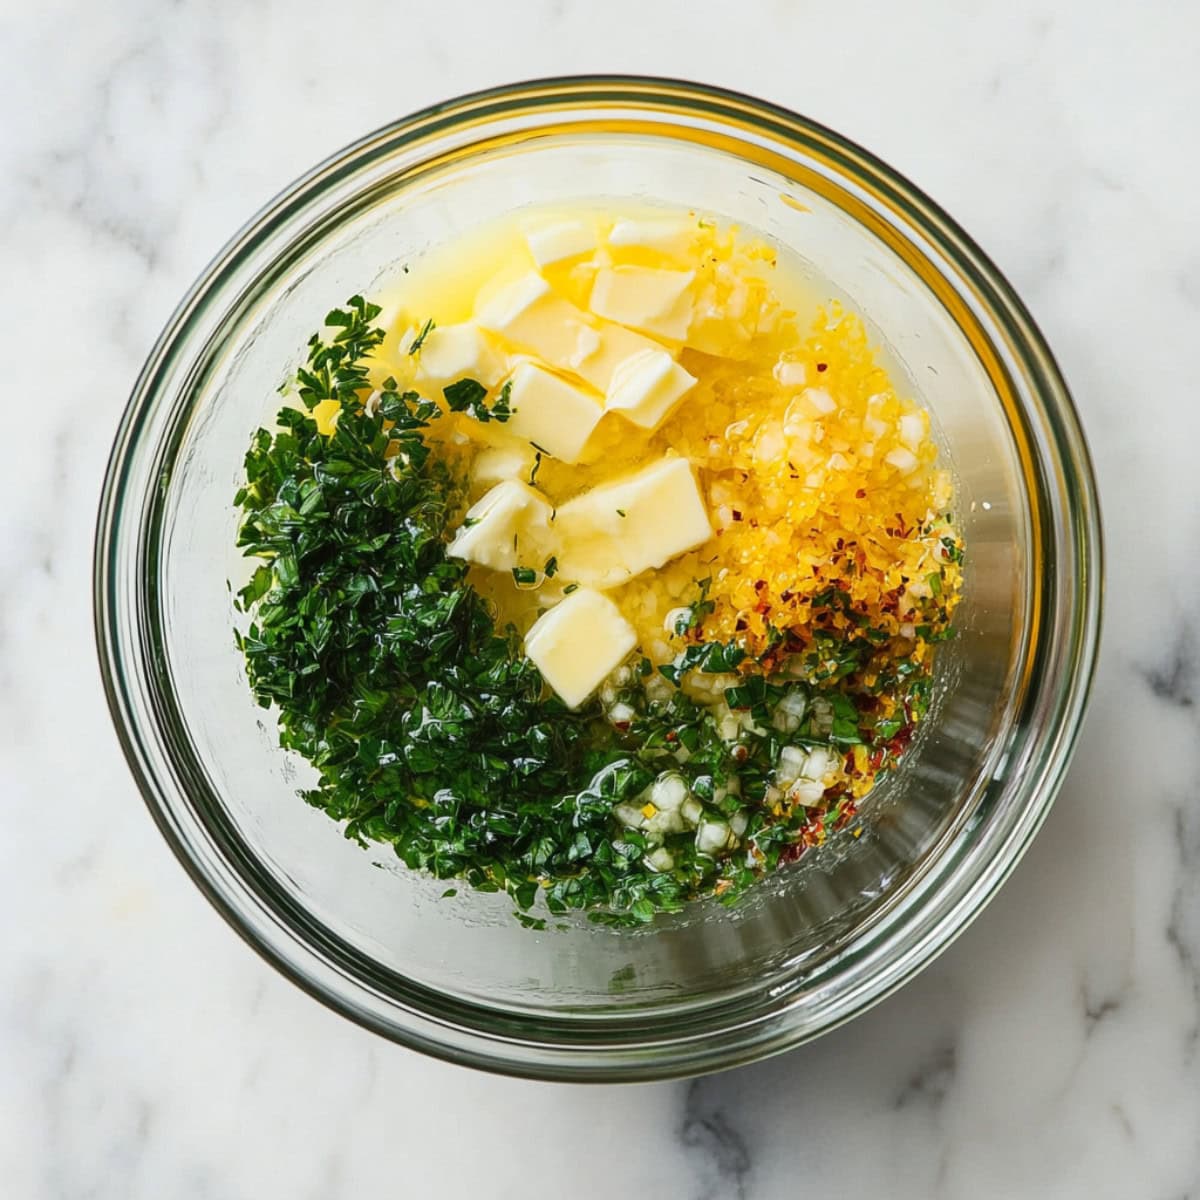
(1051, 1052)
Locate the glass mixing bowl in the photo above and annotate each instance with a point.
(711, 987)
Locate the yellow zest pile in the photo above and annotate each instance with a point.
(818, 476)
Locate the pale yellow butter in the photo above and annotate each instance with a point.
(617, 530)
(495, 464)
(325, 413)
(578, 643)
(674, 236)
(645, 298)
(646, 387)
(528, 314)
(506, 528)
(560, 240)
(453, 352)
(551, 412)
(614, 345)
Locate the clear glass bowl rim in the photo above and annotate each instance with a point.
(568, 1048)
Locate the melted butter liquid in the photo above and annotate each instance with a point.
(755, 307)
(445, 282)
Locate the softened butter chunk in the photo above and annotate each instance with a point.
(646, 387)
(533, 318)
(508, 526)
(528, 314)
(645, 298)
(453, 352)
(614, 345)
(617, 530)
(498, 463)
(674, 236)
(555, 414)
(579, 642)
(560, 240)
(325, 413)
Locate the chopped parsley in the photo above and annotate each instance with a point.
(502, 408)
(469, 396)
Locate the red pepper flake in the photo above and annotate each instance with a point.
(861, 494)
(848, 813)
(740, 753)
(740, 625)
(770, 660)
(737, 516)
(822, 366)
(759, 584)
(672, 736)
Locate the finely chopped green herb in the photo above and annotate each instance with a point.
(428, 728)
(419, 340)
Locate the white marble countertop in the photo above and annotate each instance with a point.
(145, 1052)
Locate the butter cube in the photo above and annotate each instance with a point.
(614, 345)
(561, 240)
(325, 413)
(645, 298)
(674, 236)
(500, 303)
(578, 643)
(528, 314)
(617, 530)
(498, 463)
(646, 387)
(555, 414)
(507, 527)
(453, 352)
